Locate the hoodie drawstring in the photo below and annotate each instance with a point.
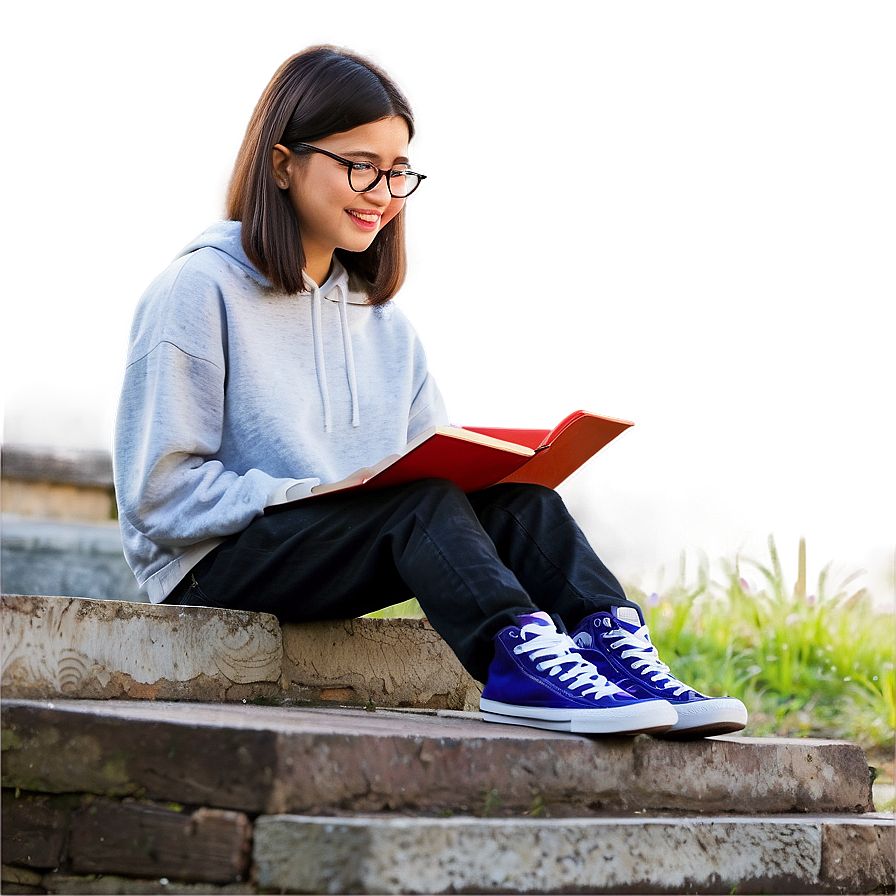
(349, 358)
(319, 363)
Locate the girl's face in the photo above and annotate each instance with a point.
(330, 214)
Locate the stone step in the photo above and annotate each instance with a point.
(98, 649)
(91, 835)
(734, 854)
(258, 791)
(310, 760)
(154, 797)
(97, 845)
(58, 556)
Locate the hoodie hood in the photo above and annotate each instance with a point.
(225, 237)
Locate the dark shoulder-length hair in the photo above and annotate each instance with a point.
(321, 91)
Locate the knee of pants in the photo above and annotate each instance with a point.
(433, 493)
(523, 494)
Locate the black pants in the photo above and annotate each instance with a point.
(474, 562)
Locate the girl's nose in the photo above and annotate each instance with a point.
(380, 193)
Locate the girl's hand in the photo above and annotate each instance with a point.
(358, 477)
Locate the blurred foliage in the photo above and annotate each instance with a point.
(816, 662)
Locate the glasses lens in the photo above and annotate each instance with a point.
(361, 176)
(403, 183)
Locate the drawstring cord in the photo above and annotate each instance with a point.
(319, 362)
(349, 358)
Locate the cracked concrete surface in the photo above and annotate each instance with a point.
(386, 662)
(84, 648)
(66, 646)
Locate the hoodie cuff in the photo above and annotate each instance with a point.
(292, 490)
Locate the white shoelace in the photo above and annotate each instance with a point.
(555, 650)
(647, 660)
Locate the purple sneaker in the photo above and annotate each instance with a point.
(618, 644)
(537, 678)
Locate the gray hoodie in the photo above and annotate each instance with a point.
(234, 393)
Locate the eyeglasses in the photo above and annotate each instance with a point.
(364, 176)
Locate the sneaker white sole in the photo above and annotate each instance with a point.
(705, 718)
(648, 717)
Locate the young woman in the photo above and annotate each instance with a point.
(269, 359)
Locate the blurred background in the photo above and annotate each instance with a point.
(676, 213)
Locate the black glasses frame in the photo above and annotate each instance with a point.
(381, 173)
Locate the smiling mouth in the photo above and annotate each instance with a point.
(370, 219)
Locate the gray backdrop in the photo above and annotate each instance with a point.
(679, 212)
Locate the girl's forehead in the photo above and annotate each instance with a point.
(384, 136)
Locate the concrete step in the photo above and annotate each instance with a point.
(309, 760)
(154, 797)
(58, 556)
(735, 854)
(241, 786)
(81, 648)
(96, 845)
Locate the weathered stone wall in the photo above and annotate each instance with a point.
(55, 557)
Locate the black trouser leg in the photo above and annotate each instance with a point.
(538, 539)
(344, 555)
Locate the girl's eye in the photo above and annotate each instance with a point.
(362, 166)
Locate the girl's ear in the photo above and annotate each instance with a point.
(281, 159)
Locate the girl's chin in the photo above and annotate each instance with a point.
(358, 245)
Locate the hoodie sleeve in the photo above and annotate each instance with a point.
(169, 424)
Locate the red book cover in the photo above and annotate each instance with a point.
(560, 451)
(475, 458)
(456, 455)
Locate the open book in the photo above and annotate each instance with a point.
(475, 458)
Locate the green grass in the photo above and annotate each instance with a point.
(813, 663)
(807, 662)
